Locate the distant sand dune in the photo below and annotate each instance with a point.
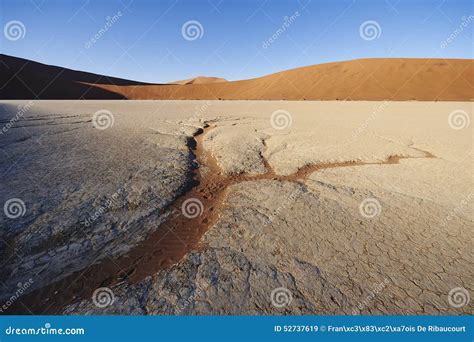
(200, 80)
(401, 79)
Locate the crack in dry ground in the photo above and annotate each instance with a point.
(175, 238)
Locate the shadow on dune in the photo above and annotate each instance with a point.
(372, 79)
(24, 79)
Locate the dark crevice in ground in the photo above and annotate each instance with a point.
(176, 237)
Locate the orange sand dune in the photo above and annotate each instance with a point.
(24, 79)
(200, 80)
(399, 79)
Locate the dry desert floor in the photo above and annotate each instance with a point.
(237, 207)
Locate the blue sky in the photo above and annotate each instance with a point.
(146, 41)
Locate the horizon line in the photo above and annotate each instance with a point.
(246, 79)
